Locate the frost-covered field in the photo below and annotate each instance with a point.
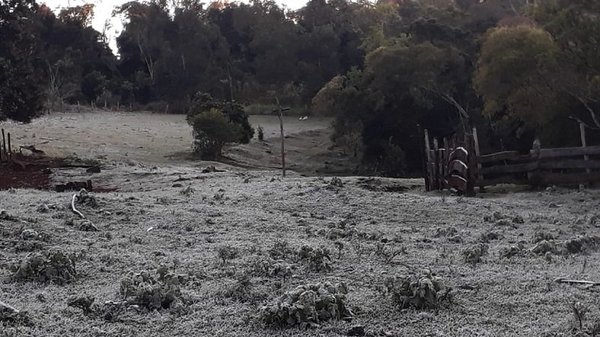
(183, 251)
(234, 241)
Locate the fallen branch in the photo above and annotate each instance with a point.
(588, 283)
(75, 209)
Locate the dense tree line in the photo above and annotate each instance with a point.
(515, 69)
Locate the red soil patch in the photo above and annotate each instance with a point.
(32, 172)
(30, 176)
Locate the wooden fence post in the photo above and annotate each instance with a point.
(584, 143)
(446, 158)
(9, 148)
(3, 150)
(436, 181)
(471, 165)
(534, 177)
(428, 177)
(477, 166)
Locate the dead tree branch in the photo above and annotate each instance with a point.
(75, 209)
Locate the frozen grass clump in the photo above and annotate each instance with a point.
(419, 292)
(54, 266)
(226, 253)
(308, 306)
(581, 244)
(160, 291)
(474, 253)
(318, 259)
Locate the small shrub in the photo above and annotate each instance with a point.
(508, 252)
(318, 259)
(212, 130)
(161, 291)
(261, 133)
(336, 182)
(226, 253)
(445, 232)
(387, 253)
(281, 250)
(581, 244)
(216, 123)
(82, 302)
(266, 267)
(541, 235)
(422, 293)
(242, 290)
(474, 253)
(579, 311)
(489, 236)
(53, 266)
(544, 247)
(86, 198)
(308, 306)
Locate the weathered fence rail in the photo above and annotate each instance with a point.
(539, 167)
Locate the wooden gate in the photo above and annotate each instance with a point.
(462, 167)
(451, 164)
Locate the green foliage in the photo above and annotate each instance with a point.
(512, 71)
(216, 123)
(21, 86)
(94, 85)
(233, 111)
(212, 130)
(384, 71)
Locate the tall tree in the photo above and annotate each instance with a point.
(512, 76)
(21, 86)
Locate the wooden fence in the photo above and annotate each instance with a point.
(561, 166)
(539, 167)
(451, 164)
(5, 147)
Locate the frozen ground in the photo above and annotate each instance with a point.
(159, 139)
(224, 234)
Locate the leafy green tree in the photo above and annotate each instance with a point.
(70, 50)
(94, 85)
(512, 75)
(21, 84)
(575, 28)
